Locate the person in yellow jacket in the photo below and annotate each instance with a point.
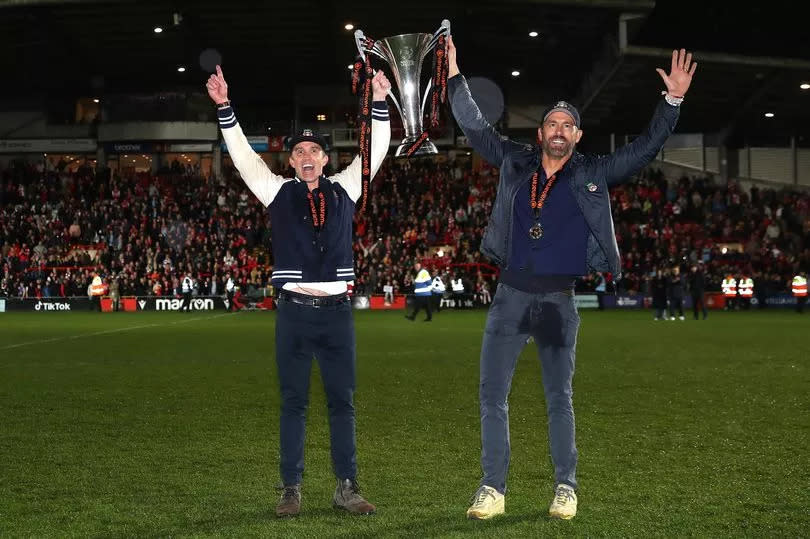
(422, 290)
(729, 288)
(745, 287)
(799, 289)
(97, 289)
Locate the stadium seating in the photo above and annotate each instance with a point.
(148, 229)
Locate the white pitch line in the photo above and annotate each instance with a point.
(119, 330)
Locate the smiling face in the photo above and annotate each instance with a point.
(558, 135)
(308, 160)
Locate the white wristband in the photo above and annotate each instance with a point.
(674, 101)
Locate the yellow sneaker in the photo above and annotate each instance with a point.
(486, 503)
(564, 504)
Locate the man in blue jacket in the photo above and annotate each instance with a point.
(550, 223)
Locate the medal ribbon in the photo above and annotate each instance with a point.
(537, 204)
(364, 120)
(318, 218)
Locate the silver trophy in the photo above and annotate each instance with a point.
(405, 54)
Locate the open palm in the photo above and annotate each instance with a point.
(680, 76)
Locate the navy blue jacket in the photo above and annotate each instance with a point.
(301, 253)
(591, 176)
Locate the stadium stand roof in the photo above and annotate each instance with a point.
(750, 61)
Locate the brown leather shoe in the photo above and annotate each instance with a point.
(290, 503)
(347, 497)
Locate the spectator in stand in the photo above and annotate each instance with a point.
(421, 194)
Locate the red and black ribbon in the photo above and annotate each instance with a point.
(364, 120)
(537, 204)
(318, 214)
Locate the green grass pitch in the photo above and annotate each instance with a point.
(166, 424)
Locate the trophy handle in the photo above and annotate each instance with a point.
(443, 29)
(359, 39)
(396, 103)
(425, 96)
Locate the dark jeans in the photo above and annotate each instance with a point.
(421, 302)
(327, 333)
(552, 319)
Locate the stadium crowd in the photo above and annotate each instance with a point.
(763, 233)
(148, 231)
(145, 231)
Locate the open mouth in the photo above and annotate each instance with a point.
(308, 168)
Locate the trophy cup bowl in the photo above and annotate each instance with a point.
(405, 55)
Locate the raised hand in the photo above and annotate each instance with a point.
(217, 87)
(680, 75)
(452, 66)
(380, 86)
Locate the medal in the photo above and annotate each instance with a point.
(536, 231)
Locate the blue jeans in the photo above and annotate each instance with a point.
(327, 333)
(552, 320)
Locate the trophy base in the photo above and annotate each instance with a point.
(427, 148)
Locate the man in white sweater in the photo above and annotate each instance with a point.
(311, 223)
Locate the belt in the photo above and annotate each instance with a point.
(313, 301)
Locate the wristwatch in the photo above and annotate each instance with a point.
(673, 100)
(223, 105)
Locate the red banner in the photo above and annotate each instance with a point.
(275, 144)
(715, 300)
(378, 302)
(128, 304)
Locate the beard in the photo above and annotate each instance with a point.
(557, 151)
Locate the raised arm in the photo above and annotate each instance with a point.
(254, 171)
(629, 159)
(483, 137)
(351, 177)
